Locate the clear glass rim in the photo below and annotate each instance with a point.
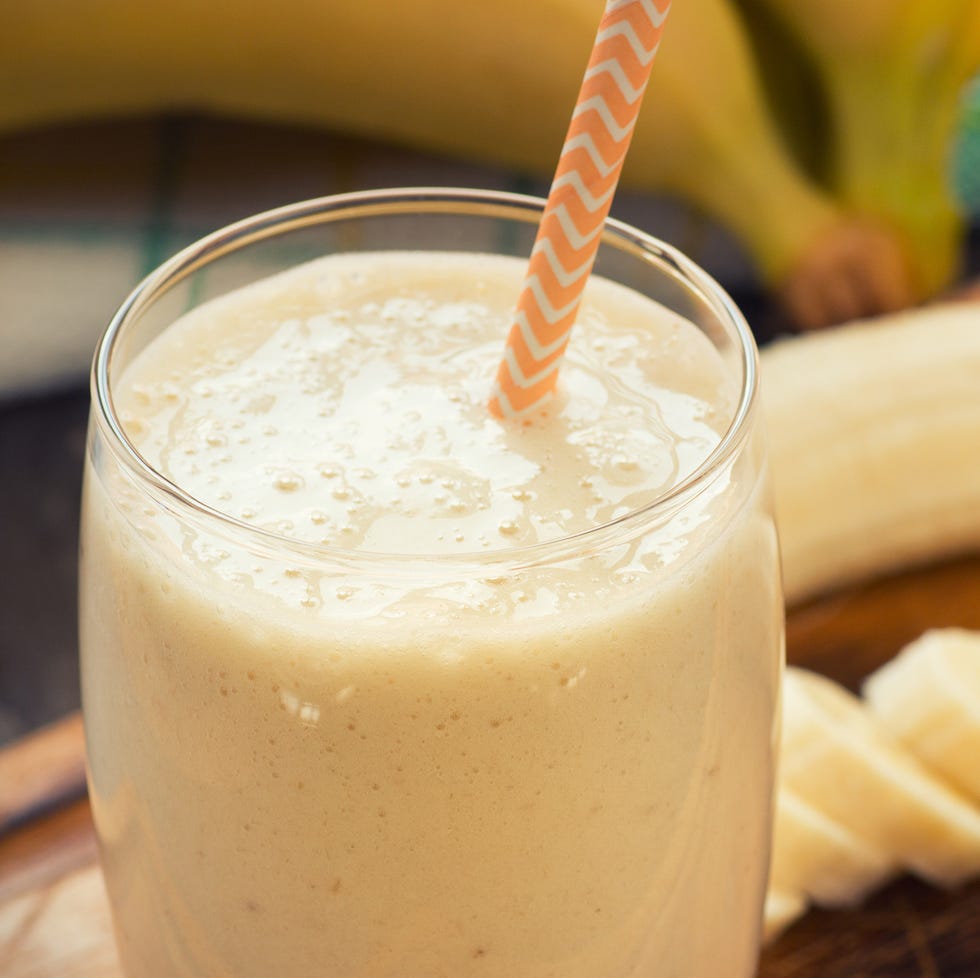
(420, 200)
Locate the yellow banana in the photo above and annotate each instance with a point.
(496, 82)
(873, 429)
(892, 71)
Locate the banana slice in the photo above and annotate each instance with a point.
(836, 757)
(928, 697)
(782, 908)
(821, 858)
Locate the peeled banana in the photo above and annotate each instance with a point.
(781, 910)
(838, 759)
(497, 84)
(815, 859)
(873, 431)
(854, 805)
(928, 698)
(820, 858)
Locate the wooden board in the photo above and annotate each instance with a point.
(54, 920)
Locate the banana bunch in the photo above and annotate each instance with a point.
(498, 84)
(892, 74)
(873, 430)
(870, 788)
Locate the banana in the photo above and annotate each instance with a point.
(872, 431)
(781, 909)
(928, 697)
(852, 805)
(875, 420)
(837, 757)
(892, 72)
(820, 858)
(497, 85)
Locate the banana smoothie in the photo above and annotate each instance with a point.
(388, 688)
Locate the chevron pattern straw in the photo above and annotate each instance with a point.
(578, 202)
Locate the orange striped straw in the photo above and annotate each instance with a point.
(578, 202)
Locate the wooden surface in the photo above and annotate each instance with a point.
(54, 921)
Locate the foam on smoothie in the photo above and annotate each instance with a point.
(345, 403)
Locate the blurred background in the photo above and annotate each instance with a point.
(757, 157)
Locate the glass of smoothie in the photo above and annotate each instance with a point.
(377, 685)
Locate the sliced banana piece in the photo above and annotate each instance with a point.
(838, 758)
(782, 908)
(817, 856)
(928, 697)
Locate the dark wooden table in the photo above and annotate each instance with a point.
(54, 921)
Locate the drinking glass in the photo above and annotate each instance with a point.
(551, 760)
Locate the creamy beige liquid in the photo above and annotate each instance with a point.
(434, 769)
